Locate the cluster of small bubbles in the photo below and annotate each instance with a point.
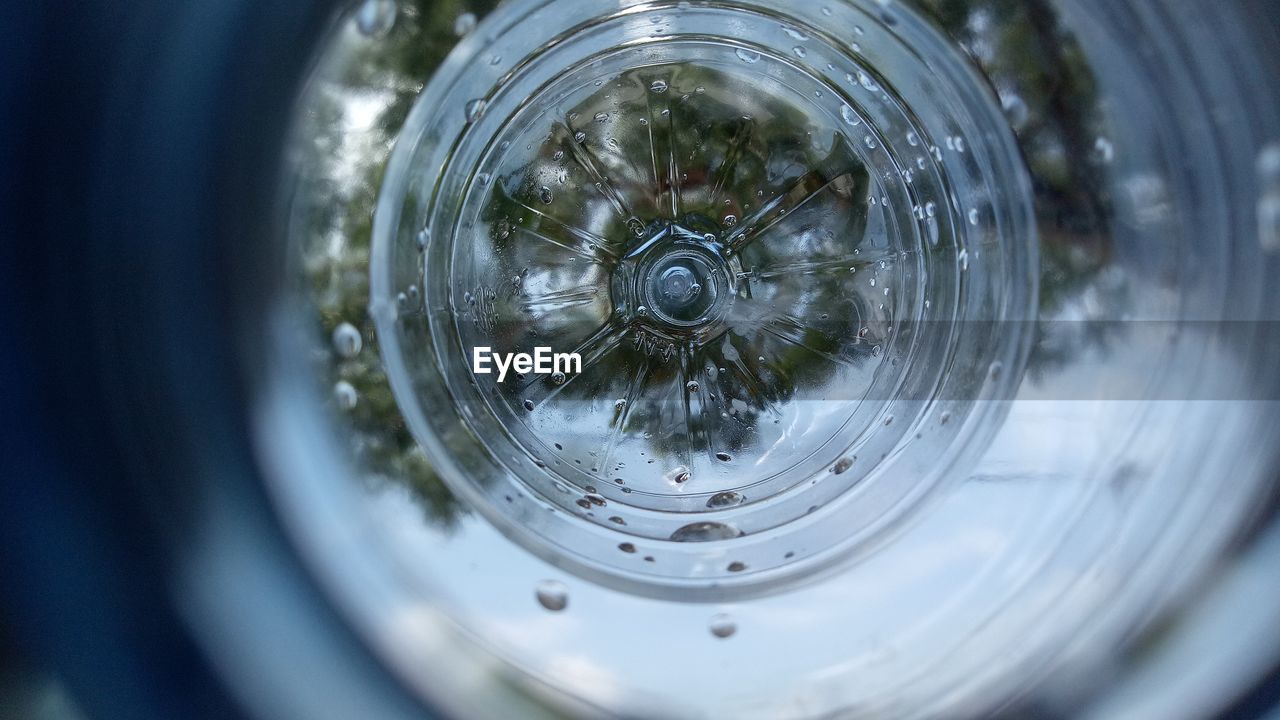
(724, 456)
(376, 17)
(464, 23)
(346, 340)
(474, 109)
(627, 547)
(842, 465)
(345, 395)
(552, 595)
(799, 51)
(726, 499)
(658, 86)
(747, 56)
(849, 116)
(722, 626)
(544, 194)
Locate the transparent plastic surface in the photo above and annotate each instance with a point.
(919, 376)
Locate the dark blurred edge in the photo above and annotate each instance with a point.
(137, 139)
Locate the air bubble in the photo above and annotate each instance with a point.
(722, 626)
(724, 456)
(474, 109)
(725, 499)
(346, 340)
(544, 194)
(552, 595)
(375, 18)
(658, 86)
(842, 465)
(705, 531)
(345, 395)
(463, 24)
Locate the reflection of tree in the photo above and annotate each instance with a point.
(365, 87)
(1049, 89)
(701, 162)
(340, 159)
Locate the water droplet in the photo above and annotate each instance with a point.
(422, 238)
(799, 51)
(944, 418)
(747, 56)
(692, 386)
(528, 405)
(705, 531)
(345, 395)
(869, 141)
(579, 137)
(658, 86)
(463, 24)
(474, 109)
(626, 547)
(912, 139)
(736, 566)
(723, 456)
(544, 194)
(346, 340)
(483, 179)
(552, 595)
(376, 17)
(619, 404)
(1015, 110)
(866, 82)
(730, 220)
(973, 216)
(826, 11)
(849, 116)
(558, 379)
(601, 117)
(722, 626)
(842, 465)
(994, 371)
(725, 499)
(930, 209)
